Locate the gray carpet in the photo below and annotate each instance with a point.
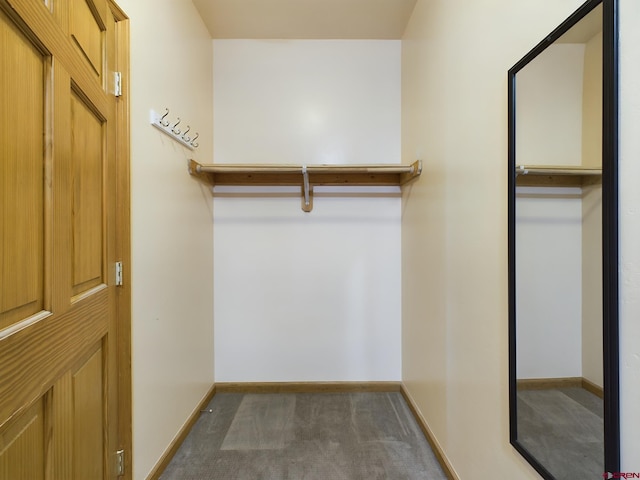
(342, 436)
(564, 429)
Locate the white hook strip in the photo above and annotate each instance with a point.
(156, 120)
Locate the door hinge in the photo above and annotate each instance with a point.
(117, 84)
(118, 274)
(120, 463)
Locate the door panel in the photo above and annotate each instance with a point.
(32, 359)
(87, 155)
(21, 175)
(62, 418)
(22, 446)
(58, 324)
(87, 32)
(88, 420)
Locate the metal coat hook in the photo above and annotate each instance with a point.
(174, 129)
(184, 134)
(162, 122)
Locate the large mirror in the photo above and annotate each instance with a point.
(563, 249)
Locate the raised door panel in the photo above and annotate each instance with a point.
(87, 152)
(87, 31)
(22, 446)
(22, 199)
(88, 419)
(62, 423)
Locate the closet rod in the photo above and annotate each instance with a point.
(275, 168)
(307, 176)
(549, 170)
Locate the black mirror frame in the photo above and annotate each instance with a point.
(609, 231)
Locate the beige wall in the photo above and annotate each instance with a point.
(630, 233)
(172, 229)
(592, 366)
(455, 59)
(592, 103)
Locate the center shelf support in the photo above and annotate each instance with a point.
(306, 205)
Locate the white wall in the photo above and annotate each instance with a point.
(558, 239)
(456, 55)
(549, 282)
(307, 101)
(172, 331)
(549, 114)
(630, 233)
(307, 296)
(559, 282)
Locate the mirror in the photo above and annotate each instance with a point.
(563, 343)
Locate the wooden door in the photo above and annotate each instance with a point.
(58, 348)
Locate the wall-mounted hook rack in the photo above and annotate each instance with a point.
(170, 127)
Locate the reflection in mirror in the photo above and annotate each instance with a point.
(559, 255)
(556, 252)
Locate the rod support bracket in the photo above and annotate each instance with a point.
(307, 191)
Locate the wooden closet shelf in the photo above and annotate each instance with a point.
(273, 174)
(306, 176)
(552, 175)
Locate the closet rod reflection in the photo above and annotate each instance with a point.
(524, 170)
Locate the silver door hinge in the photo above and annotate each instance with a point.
(120, 463)
(117, 84)
(118, 274)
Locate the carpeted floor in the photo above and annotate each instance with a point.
(563, 429)
(323, 436)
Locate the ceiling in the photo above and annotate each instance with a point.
(305, 19)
